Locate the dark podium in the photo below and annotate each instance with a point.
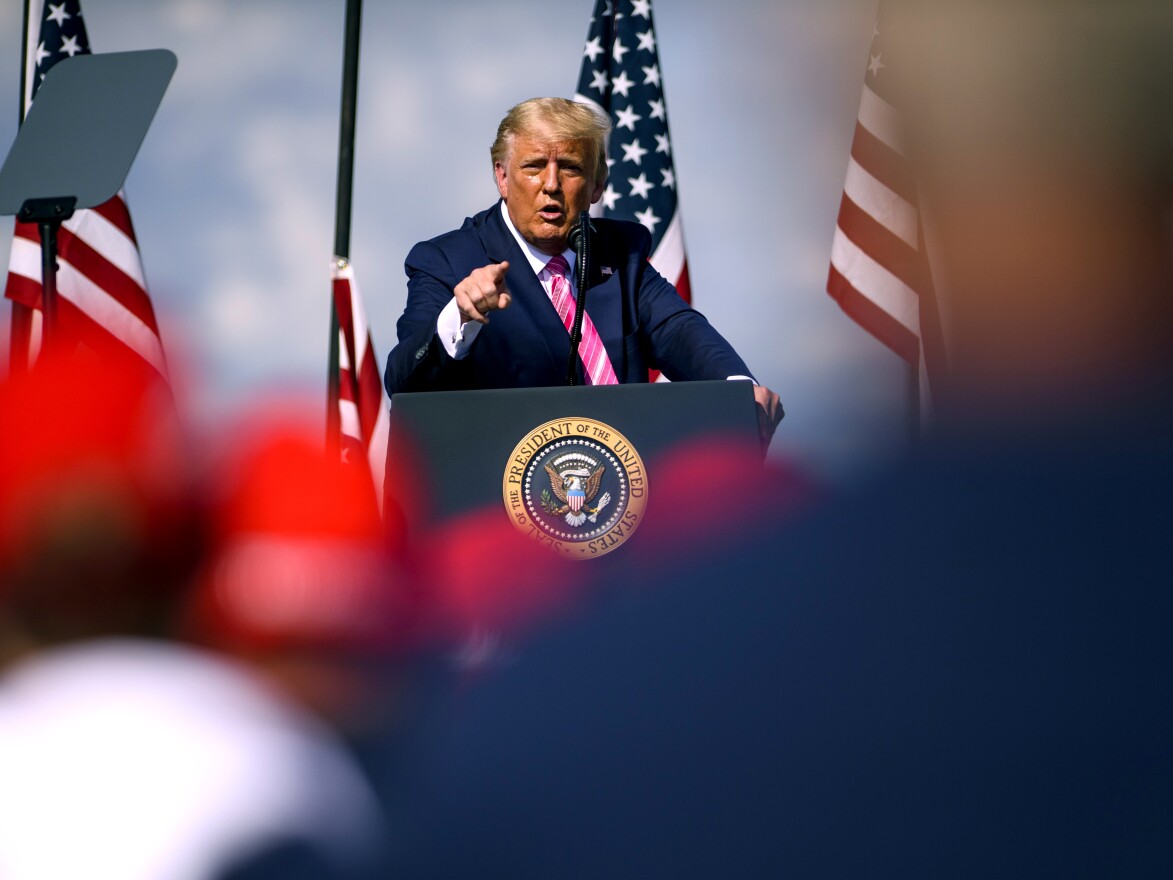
(573, 467)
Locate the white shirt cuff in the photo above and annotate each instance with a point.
(733, 378)
(456, 336)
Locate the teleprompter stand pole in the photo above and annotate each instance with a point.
(48, 214)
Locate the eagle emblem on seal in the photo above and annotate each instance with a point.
(574, 480)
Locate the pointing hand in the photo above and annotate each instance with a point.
(483, 291)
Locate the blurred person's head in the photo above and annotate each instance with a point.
(301, 581)
(99, 531)
(1042, 133)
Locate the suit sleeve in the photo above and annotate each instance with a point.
(683, 344)
(419, 362)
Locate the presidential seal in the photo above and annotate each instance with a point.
(576, 485)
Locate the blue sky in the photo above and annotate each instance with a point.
(233, 191)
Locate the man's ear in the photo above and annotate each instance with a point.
(502, 180)
(598, 193)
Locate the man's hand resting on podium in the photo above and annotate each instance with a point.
(769, 413)
(483, 291)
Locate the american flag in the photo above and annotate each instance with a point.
(103, 302)
(361, 420)
(621, 77)
(879, 267)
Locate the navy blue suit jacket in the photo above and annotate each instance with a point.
(643, 322)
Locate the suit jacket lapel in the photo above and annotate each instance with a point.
(528, 296)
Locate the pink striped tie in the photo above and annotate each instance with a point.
(590, 347)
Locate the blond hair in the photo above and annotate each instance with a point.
(558, 119)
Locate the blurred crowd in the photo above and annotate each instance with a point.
(209, 657)
(220, 663)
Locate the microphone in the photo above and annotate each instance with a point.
(575, 238)
(579, 240)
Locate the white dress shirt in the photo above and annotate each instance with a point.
(456, 334)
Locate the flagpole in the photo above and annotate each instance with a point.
(21, 329)
(24, 54)
(342, 210)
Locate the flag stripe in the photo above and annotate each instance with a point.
(377, 450)
(683, 284)
(124, 292)
(362, 414)
(115, 212)
(881, 120)
(872, 318)
(119, 285)
(90, 298)
(871, 279)
(96, 333)
(885, 206)
(889, 250)
(371, 397)
(111, 315)
(669, 257)
(884, 164)
(105, 238)
(351, 424)
(346, 394)
(22, 289)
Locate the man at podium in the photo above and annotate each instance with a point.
(489, 305)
